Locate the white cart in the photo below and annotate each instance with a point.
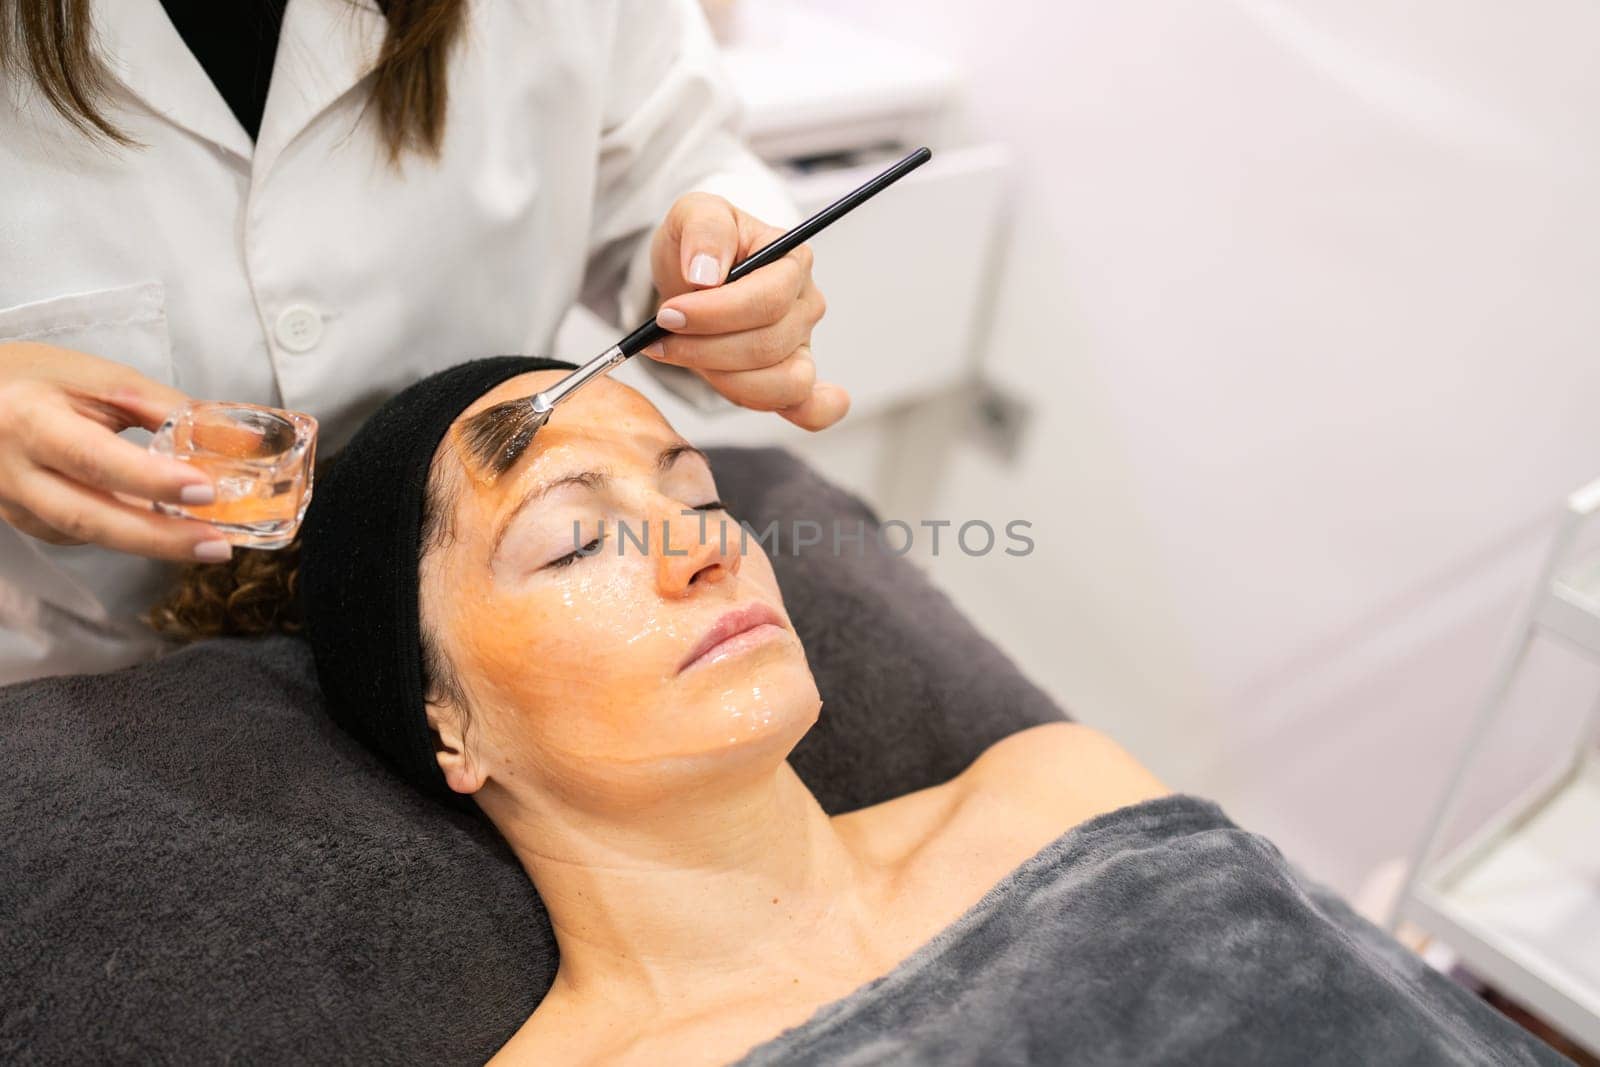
(1519, 901)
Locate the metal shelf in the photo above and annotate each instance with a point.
(1572, 609)
(1519, 901)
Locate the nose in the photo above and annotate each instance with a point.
(698, 547)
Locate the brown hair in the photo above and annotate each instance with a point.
(252, 593)
(53, 40)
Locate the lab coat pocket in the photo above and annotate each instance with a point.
(127, 325)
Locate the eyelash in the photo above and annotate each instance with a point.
(591, 549)
(570, 558)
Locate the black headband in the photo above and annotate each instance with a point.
(359, 546)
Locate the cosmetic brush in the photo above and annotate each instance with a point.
(494, 439)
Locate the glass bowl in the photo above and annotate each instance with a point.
(260, 460)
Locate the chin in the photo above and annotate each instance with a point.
(759, 704)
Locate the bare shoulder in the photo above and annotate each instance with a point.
(950, 844)
(1021, 792)
(1064, 772)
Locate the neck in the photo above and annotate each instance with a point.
(716, 891)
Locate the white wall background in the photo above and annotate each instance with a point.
(1305, 296)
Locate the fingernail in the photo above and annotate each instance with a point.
(671, 319)
(213, 551)
(705, 270)
(654, 351)
(199, 493)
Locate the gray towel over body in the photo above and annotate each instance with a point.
(1157, 933)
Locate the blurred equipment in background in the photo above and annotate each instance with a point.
(1519, 900)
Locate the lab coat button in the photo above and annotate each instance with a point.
(299, 328)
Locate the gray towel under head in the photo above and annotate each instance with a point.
(1159, 933)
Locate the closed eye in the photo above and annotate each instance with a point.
(590, 549)
(593, 547)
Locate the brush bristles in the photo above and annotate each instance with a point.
(495, 437)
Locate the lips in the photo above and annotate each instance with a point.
(731, 625)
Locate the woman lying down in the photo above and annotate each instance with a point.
(624, 719)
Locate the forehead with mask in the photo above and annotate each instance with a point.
(573, 608)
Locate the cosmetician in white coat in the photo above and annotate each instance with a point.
(582, 152)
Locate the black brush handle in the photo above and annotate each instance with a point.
(650, 333)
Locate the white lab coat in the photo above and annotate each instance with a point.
(303, 271)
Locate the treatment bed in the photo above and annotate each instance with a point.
(197, 866)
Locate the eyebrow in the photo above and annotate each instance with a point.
(670, 454)
(593, 480)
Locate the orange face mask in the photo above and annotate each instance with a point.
(606, 619)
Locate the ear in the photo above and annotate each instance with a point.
(462, 772)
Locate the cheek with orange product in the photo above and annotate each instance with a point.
(578, 663)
